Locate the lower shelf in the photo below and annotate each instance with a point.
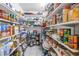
(72, 50)
(56, 51)
(15, 48)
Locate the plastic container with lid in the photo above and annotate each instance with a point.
(2, 13)
(76, 13)
(65, 13)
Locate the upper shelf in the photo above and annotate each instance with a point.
(66, 23)
(60, 7)
(7, 9)
(7, 21)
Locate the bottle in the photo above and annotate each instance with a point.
(3, 27)
(8, 30)
(12, 30)
(15, 18)
(10, 17)
(62, 32)
(65, 40)
(1, 50)
(70, 41)
(5, 16)
(16, 29)
(75, 42)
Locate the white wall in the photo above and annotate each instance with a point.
(34, 28)
(77, 29)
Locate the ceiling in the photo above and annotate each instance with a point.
(34, 8)
(31, 7)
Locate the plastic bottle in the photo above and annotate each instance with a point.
(3, 27)
(1, 50)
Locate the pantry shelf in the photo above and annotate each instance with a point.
(57, 9)
(70, 49)
(7, 9)
(56, 51)
(69, 53)
(3, 20)
(67, 23)
(8, 37)
(16, 48)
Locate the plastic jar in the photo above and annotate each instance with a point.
(76, 13)
(65, 13)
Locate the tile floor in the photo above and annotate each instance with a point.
(33, 51)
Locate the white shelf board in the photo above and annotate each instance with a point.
(72, 50)
(3, 20)
(67, 23)
(57, 9)
(69, 53)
